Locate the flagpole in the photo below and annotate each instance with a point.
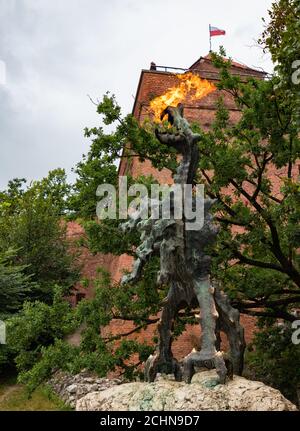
(209, 39)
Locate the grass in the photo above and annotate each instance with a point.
(14, 397)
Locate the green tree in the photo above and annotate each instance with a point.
(37, 336)
(281, 39)
(259, 263)
(257, 254)
(36, 328)
(99, 165)
(32, 223)
(15, 286)
(275, 360)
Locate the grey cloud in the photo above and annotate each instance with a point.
(58, 51)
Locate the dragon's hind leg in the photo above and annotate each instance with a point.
(229, 322)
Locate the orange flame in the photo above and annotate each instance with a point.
(190, 83)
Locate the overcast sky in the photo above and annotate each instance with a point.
(58, 51)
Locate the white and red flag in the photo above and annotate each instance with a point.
(215, 31)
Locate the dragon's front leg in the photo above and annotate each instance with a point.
(163, 361)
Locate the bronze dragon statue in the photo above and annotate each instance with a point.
(185, 267)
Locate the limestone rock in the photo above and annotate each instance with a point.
(204, 393)
(71, 388)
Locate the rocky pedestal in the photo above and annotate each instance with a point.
(70, 388)
(204, 393)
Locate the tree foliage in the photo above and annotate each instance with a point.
(37, 327)
(31, 223)
(257, 254)
(15, 286)
(107, 148)
(275, 360)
